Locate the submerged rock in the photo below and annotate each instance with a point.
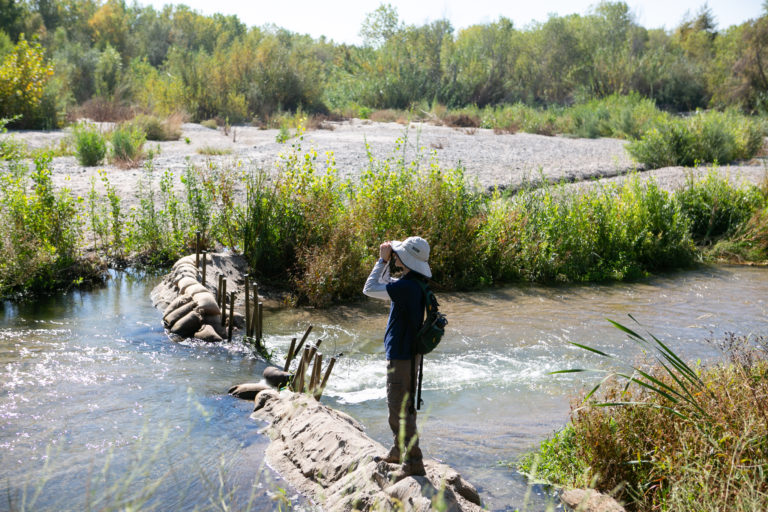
(328, 457)
(589, 500)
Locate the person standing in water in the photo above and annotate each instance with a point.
(406, 316)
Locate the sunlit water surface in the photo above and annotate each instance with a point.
(98, 407)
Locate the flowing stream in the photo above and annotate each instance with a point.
(99, 409)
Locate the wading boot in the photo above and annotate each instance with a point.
(392, 457)
(412, 467)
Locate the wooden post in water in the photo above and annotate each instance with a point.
(298, 378)
(260, 332)
(224, 302)
(197, 249)
(296, 350)
(315, 378)
(231, 315)
(304, 338)
(247, 307)
(218, 291)
(325, 378)
(289, 356)
(205, 257)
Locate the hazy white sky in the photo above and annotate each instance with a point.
(340, 20)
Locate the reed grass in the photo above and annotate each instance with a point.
(671, 436)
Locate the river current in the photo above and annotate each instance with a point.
(100, 410)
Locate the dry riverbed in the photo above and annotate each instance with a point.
(505, 160)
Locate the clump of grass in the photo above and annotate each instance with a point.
(90, 146)
(672, 437)
(210, 123)
(214, 151)
(127, 144)
(159, 129)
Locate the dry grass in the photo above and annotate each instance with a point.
(103, 110)
(389, 116)
(710, 453)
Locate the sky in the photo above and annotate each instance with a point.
(340, 20)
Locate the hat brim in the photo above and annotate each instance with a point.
(410, 261)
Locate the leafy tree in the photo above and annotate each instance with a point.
(23, 75)
(12, 14)
(380, 25)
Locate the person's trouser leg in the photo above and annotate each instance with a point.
(399, 401)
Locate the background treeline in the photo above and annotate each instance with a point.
(113, 59)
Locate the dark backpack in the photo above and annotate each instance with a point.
(433, 328)
(428, 337)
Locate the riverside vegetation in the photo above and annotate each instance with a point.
(672, 436)
(302, 227)
(597, 74)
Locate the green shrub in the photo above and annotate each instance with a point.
(562, 234)
(90, 145)
(715, 207)
(23, 76)
(127, 143)
(10, 148)
(705, 137)
(210, 123)
(39, 247)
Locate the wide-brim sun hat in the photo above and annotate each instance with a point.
(413, 253)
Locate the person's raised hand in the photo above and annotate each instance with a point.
(385, 251)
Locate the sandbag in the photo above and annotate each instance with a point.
(209, 334)
(195, 289)
(179, 313)
(185, 267)
(176, 304)
(186, 271)
(276, 377)
(188, 325)
(186, 259)
(248, 390)
(206, 304)
(185, 283)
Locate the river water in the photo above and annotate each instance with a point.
(100, 410)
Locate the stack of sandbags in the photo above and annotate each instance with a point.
(194, 312)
